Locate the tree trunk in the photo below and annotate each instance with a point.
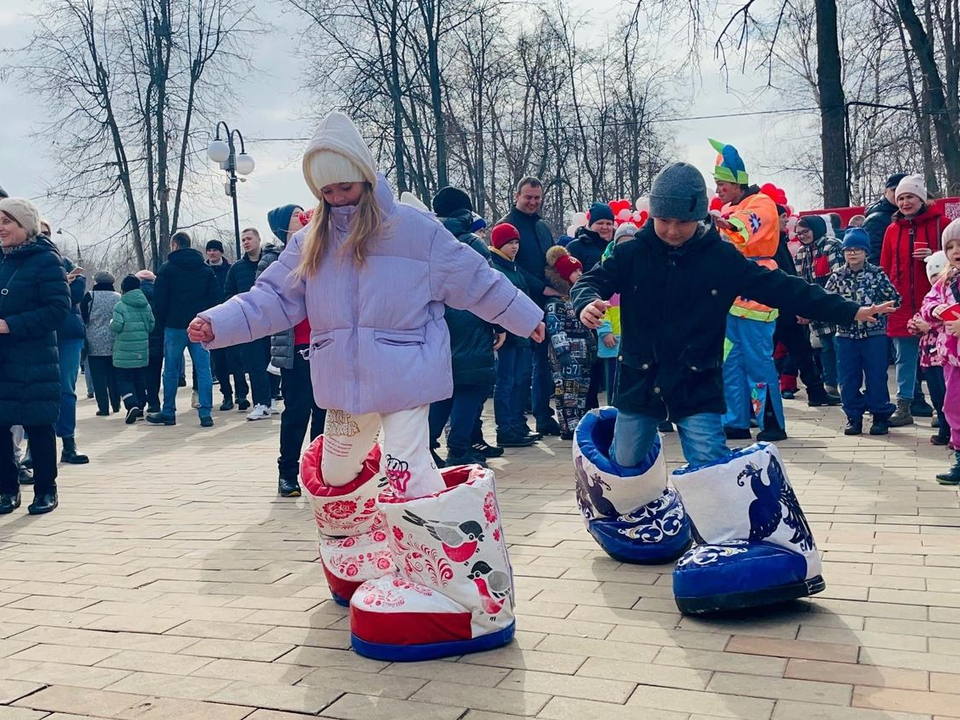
(948, 140)
(836, 192)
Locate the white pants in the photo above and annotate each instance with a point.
(407, 463)
(17, 432)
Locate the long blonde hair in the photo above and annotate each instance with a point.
(365, 227)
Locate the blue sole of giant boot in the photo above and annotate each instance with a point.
(431, 651)
(731, 602)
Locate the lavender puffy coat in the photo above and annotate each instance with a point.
(378, 340)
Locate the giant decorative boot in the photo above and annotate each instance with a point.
(452, 592)
(629, 511)
(756, 545)
(352, 533)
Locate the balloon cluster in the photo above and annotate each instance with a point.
(623, 211)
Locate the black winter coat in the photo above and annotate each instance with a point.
(72, 327)
(588, 248)
(241, 277)
(156, 335)
(518, 277)
(34, 301)
(471, 338)
(535, 240)
(674, 307)
(185, 286)
(879, 217)
(221, 271)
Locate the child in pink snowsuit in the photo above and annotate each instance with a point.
(936, 311)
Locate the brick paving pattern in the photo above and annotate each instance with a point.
(173, 584)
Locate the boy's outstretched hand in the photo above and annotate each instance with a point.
(870, 313)
(200, 330)
(592, 314)
(539, 333)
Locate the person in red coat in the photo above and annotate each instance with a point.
(913, 235)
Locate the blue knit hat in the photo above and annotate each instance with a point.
(599, 211)
(856, 239)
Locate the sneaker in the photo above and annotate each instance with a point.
(274, 409)
(524, 431)
(243, 404)
(227, 404)
(787, 394)
(103, 413)
(194, 400)
(854, 426)
(487, 451)
(161, 419)
(548, 426)
(206, 422)
(934, 440)
(260, 412)
(467, 458)
(133, 414)
(514, 440)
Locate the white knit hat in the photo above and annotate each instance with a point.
(24, 212)
(337, 154)
(935, 263)
(914, 185)
(627, 229)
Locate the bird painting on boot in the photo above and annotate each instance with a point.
(493, 586)
(458, 540)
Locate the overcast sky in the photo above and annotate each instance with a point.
(269, 104)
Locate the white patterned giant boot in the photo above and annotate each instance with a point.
(757, 547)
(350, 527)
(452, 592)
(630, 512)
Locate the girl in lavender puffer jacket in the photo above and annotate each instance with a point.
(372, 276)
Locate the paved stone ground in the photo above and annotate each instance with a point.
(173, 584)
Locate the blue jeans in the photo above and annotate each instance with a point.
(70, 351)
(907, 349)
(174, 343)
(863, 362)
(462, 410)
(750, 379)
(542, 389)
(828, 359)
(514, 369)
(701, 437)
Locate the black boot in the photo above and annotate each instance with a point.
(288, 487)
(43, 503)
(665, 427)
(881, 425)
(920, 407)
(855, 426)
(9, 503)
(733, 433)
(548, 426)
(26, 476)
(952, 476)
(227, 403)
(70, 454)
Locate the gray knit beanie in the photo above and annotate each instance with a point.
(679, 192)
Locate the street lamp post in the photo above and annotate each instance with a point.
(223, 151)
(61, 231)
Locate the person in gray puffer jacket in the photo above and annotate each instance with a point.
(299, 409)
(96, 308)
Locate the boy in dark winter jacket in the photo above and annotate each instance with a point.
(472, 345)
(677, 281)
(862, 347)
(515, 357)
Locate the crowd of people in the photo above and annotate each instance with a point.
(130, 344)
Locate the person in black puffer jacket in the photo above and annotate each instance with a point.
(880, 215)
(221, 360)
(34, 301)
(472, 345)
(185, 286)
(591, 241)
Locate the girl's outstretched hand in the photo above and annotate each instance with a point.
(200, 330)
(539, 333)
(870, 313)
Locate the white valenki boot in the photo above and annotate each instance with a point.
(350, 527)
(630, 512)
(452, 592)
(756, 545)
